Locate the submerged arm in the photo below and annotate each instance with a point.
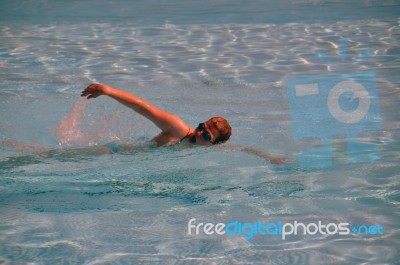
(257, 152)
(266, 156)
(23, 147)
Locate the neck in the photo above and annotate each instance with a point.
(191, 137)
(188, 135)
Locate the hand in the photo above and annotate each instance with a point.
(95, 90)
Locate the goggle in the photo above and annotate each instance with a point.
(206, 135)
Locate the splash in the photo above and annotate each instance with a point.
(69, 130)
(81, 128)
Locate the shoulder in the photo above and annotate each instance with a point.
(165, 138)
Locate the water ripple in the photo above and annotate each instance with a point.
(223, 50)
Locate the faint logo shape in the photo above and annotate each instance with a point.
(335, 104)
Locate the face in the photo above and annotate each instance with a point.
(204, 135)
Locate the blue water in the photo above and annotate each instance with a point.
(63, 202)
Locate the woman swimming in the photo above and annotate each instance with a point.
(173, 129)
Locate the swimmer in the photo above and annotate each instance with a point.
(173, 129)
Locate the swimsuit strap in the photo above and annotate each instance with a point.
(185, 135)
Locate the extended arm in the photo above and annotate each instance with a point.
(167, 122)
(257, 152)
(266, 156)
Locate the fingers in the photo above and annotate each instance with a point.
(90, 90)
(84, 93)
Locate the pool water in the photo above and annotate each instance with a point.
(63, 202)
